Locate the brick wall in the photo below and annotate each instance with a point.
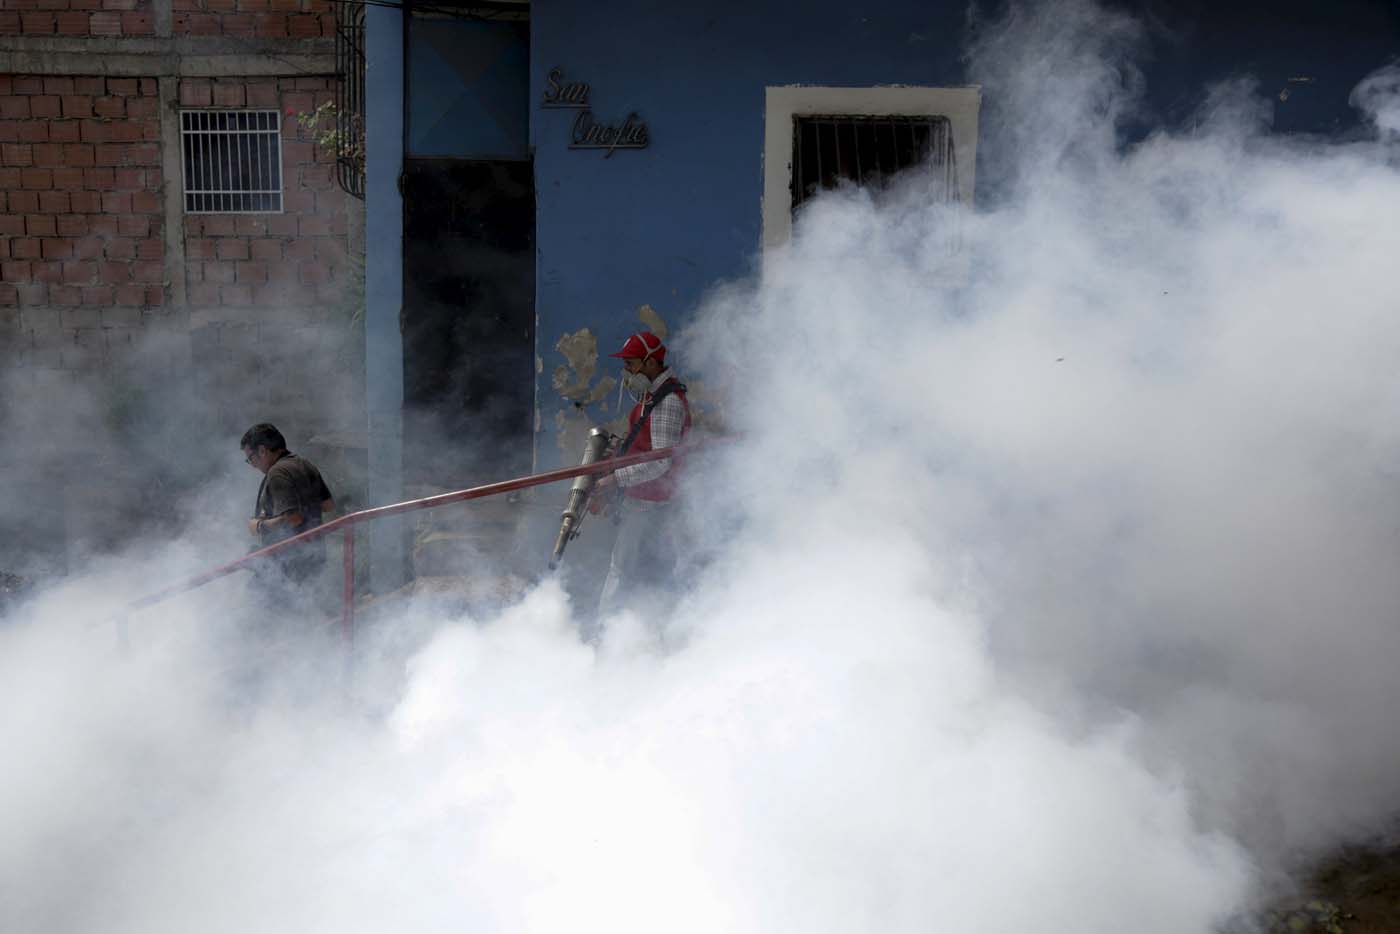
(264, 19)
(296, 258)
(81, 248)
(76, 17)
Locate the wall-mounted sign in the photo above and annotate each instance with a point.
(588, 131)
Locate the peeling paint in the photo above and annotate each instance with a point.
(654, 322)
(580, 349)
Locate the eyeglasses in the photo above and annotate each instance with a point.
(248, 458)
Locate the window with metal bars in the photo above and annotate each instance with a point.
(868, 151)
(233, 161)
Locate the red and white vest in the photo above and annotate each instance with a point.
(661, 489)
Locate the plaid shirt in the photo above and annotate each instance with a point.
(667, 420)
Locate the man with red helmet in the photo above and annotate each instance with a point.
(646, 552)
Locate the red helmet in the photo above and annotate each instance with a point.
(641, 346)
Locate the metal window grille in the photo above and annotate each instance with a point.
(350, 97)
(233, 161)
(828, 150)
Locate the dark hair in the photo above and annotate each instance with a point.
(263, 434)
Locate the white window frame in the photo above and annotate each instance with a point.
(186, 133)
(960, 105)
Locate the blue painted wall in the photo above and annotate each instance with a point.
(659, 226)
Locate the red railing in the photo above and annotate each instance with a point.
(346, 525)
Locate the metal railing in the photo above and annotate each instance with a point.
(346, 526)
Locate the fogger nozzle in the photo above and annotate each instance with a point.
(593, 450)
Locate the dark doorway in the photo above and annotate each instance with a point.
(468, 321)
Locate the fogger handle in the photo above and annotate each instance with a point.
(593, 449)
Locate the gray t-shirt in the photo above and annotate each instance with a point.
(293, 484)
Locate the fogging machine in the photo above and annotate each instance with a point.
(593, 450)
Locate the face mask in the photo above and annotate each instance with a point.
(635, 384)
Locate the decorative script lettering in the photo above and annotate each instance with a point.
(561, 93)
(588, 131)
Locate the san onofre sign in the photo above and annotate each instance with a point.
(588, 132)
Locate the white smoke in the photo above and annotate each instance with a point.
(1049, 590)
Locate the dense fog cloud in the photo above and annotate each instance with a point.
(1049, 589)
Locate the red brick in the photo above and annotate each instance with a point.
(73, 23)
(251, 225)
(9, 22)
(80, 154)
(11, 225)
(65, 295)
(72, 225)
(79, 272)
(150, 248)
(197, 24)
(123, 87)
(48, 154)
(301, 249)
(236, 294)
(240, 24)
(254, 6)
(229, 95)
(97, 295)
(9, 295)
(262, 94)
(116, 202)
(40, 225)
(95, 131)
(219, 273)
(27, 248)
(124, 179)
(121, 5)
(90, 85)
(16, 271)
(199, 248)
(270, 26)
(149, 87)
(53, 202)
(48, 272)
(203, 294)
(7, 84)
(37, 179)
(29, 131)
(14, 107)
(142, 108)
(86, 202)
(57, 249)
(28, 84)
(195, 93)
(252, 273)
(299, 202)
(120, 248)
(147, 271)
(138, 24)
(32, 293)
(23, 202)
(67, 178)
(36, 23)
(231, 249)
(129, 295)
(65, 131)
(9, 130)
(114, 273)
(87, 248)
(265, 249)
(144, 154)
(286, 6)
(282, 225)
(134, 225)
(57, 85)
(283, 272)
(145, 202)
(76, 106)
(109, 107)
(313, 226)
(294, 154)
(5, 247)
(106, 24)
(314, 273)
(45, 106)
(103, 226)
(219, 225)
